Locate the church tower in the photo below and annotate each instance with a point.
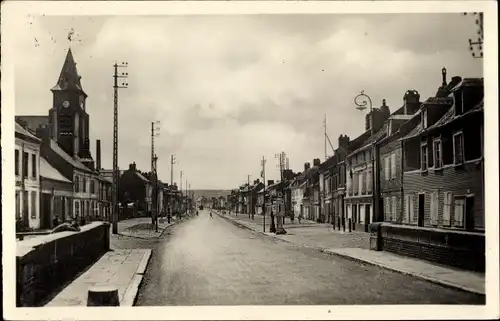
(68, 119)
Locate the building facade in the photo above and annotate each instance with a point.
(443, 162)
(27, 169)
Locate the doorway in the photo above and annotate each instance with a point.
(421, 209)
(45, 212)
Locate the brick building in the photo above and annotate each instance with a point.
(135, 188)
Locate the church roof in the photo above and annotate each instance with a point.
(69, 78)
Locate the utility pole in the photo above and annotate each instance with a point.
(154, 173)
(180, 190)
(249, 197)
(155, 196)
(480, 36)
(324, 125)
(263, 163)
(116, 76)
(280, 218)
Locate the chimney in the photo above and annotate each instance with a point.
(379, 115)
(132, 167)
(344, 141)
(98, 154)
(316, 162)
(270, 182)
(411, 101)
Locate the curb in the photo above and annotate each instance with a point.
(345, 256)
(130, 295)
(418, 276)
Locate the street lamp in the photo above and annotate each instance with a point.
(361, 101)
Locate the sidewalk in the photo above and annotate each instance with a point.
(140, 227)
(355, 246)
(120, 269)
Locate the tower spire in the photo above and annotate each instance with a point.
(69, 78)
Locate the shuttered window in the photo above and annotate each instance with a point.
(386, 168)
(406, 216)
(369, 181)
(458, 217)
(361, 182)
(434, 208)
(393, 209)
(447, 209)
(393, 165)
(387, 209)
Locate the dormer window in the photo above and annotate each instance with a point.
(424, 118)
(458, 102)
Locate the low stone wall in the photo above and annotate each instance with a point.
(46, 263)
(454, 248)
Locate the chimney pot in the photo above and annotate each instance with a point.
(307, 166)
(316, 162)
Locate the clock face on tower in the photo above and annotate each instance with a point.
(65, 104)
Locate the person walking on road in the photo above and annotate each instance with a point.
(211, 214)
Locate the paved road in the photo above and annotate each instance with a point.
(207, 261)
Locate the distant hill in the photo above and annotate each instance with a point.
(209, 193)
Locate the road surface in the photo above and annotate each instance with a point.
(210, 261)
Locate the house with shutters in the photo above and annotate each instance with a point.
(338, 182)
(361, 197)
(390, 153)
(443, 179)
(325, 190)
(27, 169)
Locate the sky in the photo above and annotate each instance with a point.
(230, 90)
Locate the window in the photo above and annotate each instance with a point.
(423, 160)
(369, 181)
(33, 165)
(25, 164)
(458, 149)
(361, 183)
(77, 184)
(438, 160)
(386, 168)
(92, 187)
(424, 118)
(458, 218)
(18, 205)
(84, 183)
(434, 208)
(387, 209)
(17, 161)
(393, 165)
(393, 208)
(447, 209)
(409, 217)
(77, 209)
(33, 205)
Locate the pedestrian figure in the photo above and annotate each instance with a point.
(211, 214)
(300, 217)
(55, 221)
